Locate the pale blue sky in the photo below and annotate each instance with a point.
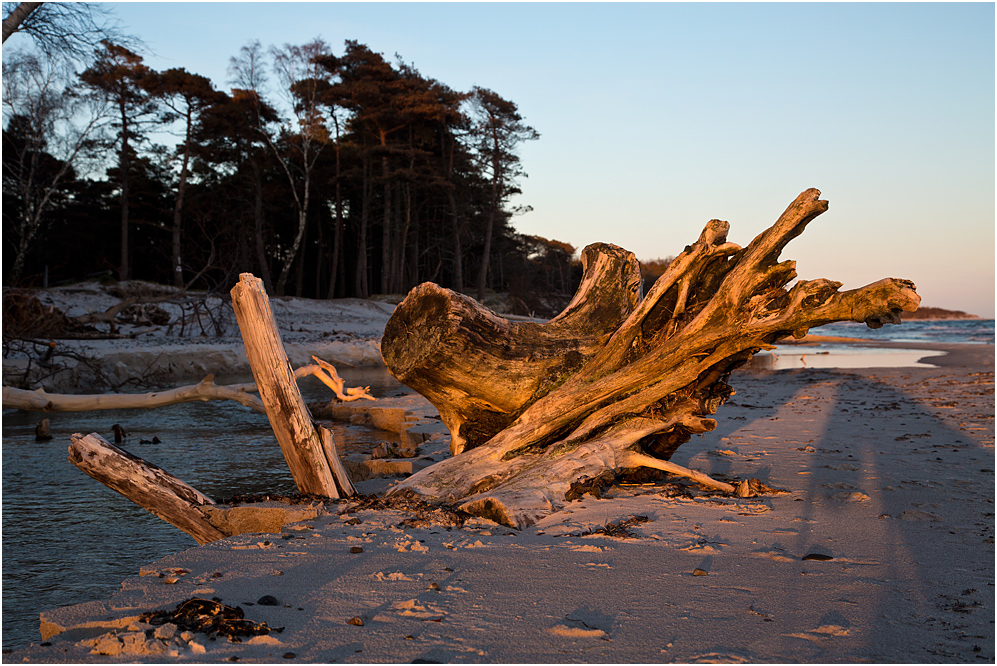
(656, 117)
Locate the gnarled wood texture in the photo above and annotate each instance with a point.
(614, 382)
(479, 369)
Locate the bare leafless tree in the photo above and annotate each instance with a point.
(49, 128)
(64, 30)
(304, 133)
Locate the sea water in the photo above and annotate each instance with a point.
(69, 539)
(833, 354)
(958, 331)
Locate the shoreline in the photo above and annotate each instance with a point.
(889, 474)
(956, 354)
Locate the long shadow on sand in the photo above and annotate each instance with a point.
(877, 471)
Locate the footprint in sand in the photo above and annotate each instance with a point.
(854, 496)
(421, 610)
(917, 515)
(848, 493)
(821, 633)
(720, 658)
(846, 467)
(395, 576)
(584, 623)
(410, 546)
(832, 624)
(577, 632)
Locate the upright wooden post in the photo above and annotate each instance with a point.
(311, 465)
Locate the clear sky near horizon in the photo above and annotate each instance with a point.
(656, 117)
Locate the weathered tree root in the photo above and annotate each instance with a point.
(614, 382)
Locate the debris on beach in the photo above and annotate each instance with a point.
(424, 513)
(210, 617)
(619, 530)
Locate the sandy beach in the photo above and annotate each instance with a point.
(881, 548)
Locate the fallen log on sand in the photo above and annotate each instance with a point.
(206, 389)
(615, 382)
(176, 502)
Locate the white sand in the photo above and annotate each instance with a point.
(345, 332)
(889, 473)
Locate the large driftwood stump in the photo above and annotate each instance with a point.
(614, 382)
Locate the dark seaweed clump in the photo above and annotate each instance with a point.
(619, 529)
(209, 617)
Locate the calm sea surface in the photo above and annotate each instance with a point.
(845, 355)
(979, 331)
(68, 539)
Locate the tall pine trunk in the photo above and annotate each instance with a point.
(485, 254)
(458, 251)
(401, 247)
(361, 283)
(337, 237)
(492, 214)
(285, 271)
(386, 229)
(178, 207)
(124, 164)
(299, 272)
(261, 249)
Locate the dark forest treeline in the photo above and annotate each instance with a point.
(327, 175)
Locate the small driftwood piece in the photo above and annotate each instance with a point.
(40, 401)
(615, 382)
(153, 489)
(326, 373)
(315, 467)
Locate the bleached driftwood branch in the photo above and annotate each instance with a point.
(326, 373)
(206, 389)
(614, 382)
(41, 401)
